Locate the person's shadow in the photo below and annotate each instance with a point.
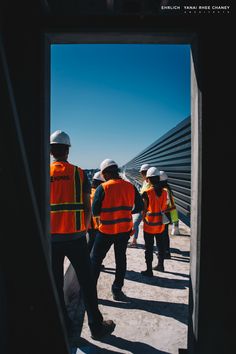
(178, 311)
(85, 346)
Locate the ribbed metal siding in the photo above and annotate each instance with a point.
(171, 153)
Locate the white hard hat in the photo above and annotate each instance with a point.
(163, 176)
(144, 167)
(98, 176)
(107, 163)
(152, 172)
(60, 137)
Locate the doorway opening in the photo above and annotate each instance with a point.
(87, 145)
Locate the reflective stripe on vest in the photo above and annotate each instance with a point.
(153, 219)
(117, 205)
(66, 198)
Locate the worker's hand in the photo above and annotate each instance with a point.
(131, 233)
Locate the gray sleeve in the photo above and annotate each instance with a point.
(139, 205)
(86, 184)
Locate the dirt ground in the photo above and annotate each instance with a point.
(154, 318)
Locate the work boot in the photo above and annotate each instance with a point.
(107, 327)
(167, 255)
(119, 295)
(147, 273)
(159, 267)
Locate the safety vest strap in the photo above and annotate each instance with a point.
(153, 214)
(122, 207)
(115, 221)
(67, 207)
(153, 223)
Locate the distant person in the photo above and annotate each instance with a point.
(114, 201)
(171, 212)
(70, 217)
(137, 218)
(94, 224)
(155, 201)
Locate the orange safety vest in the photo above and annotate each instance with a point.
(117, 205)
(66, 198)
(152, 222)
(95, 219)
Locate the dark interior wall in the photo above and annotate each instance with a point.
(25, 54)
(30, 297)
(216, 308)
(31, 320)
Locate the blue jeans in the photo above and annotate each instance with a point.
(102, 244)
(137, 220)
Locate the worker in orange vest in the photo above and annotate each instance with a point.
(93, 227)
(137, 218)
(115, 200)
(171, 212)
(155, 202)
(70, 217)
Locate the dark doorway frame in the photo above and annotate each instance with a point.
(196, 135)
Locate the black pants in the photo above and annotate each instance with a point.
(102, 244)
(77, 252)
(166, 239)
(149, 243)
(92, 235)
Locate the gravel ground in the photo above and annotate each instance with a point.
(155, 317)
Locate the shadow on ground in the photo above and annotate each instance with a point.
(177, 274)
(177, 311)
(180, 259)
(120, 343)
(155, 280)
(178, 251)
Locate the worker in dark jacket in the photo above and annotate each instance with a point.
(94, 224)
(115, 201)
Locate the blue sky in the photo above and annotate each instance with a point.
(114, 100)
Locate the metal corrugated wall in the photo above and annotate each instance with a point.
(171, 153)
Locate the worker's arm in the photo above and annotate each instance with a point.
(87, 210)
(138, 202)
(97, 201)
(145, 202)
(87, 203)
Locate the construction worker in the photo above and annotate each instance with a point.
(155, 202)
(93, 227)
(70, 217)
(171, 212)
(115, 200)
(137, 218)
